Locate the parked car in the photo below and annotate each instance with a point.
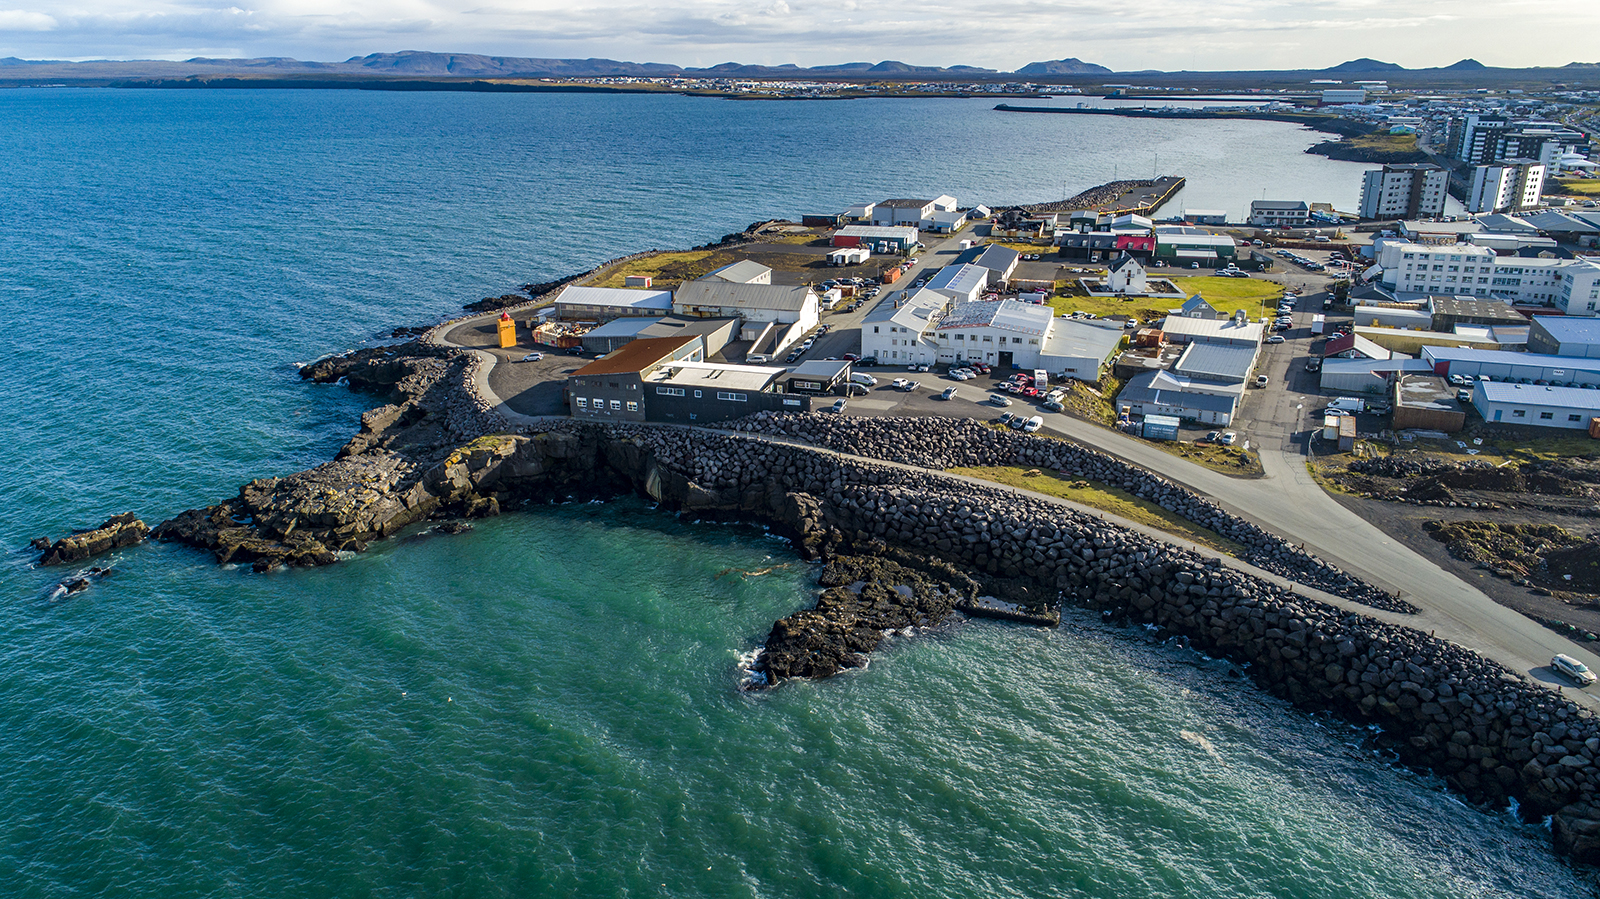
(1276, 338)
(1006, 418)
(998, 399)
(1572, 669)
(949, 394)
(1033, 424)
(1228, 438)
(1053, 406)
(1262, 380)
(838, 405)
(852, 357)
(533, 357)
(1313, 364)
(867, 361)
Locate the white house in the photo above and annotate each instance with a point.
(960, 282)
(943, 222)
(905, 334)
(1276, 213)
(1126, 275)
(1005, 333)
(1001, 261)
(944, 203)
(751, 302)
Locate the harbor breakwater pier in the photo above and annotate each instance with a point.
(903, 545)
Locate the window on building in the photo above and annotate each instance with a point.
(732, 397)
(582, 402)
(672, 391)
(616, 405)
(633, 405)
(1519, 413)
(874, 329)
(1574, 418)
(697, 394)
(1546, 416)
(988, 339)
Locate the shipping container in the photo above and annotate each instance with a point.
(1319, 324)
(1160, 427)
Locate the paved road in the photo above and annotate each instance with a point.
(1286, 501)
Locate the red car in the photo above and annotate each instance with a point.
(851, 357)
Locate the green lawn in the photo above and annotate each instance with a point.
(1227, 294)
(1588, 187)
(1104, 497)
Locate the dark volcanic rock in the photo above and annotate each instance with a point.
(117, 531)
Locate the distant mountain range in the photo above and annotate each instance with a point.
(420, 64)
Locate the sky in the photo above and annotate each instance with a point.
(999, 34)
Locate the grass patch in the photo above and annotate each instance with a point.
(1022, 246)
(1254, 296)
(1383, 140)
(1228, 460)
(1586, 187)
(1142, 308)
(1105, 498)
(668, 269)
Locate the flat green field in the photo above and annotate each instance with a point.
(1588, 187)
(1227, 294)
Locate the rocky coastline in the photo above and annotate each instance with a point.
(902, 546)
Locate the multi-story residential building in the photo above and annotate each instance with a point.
(1404, 190)
(1569, 285)
(1483, 139)
(1509, 186)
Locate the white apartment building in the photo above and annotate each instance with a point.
(1509, 186)
(1570, 285)
(1272, 213)
(1404, 190)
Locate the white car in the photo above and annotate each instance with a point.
(838, 406)
(533, 357)
(996, 399)
(1227, 438)
(1573, 670)
(899, 383)
(949, 394)
(1033, 424)
(1276, 338)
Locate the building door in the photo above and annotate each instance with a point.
(1497, 415)
(1005, 359)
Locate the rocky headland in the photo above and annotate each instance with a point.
(902, 545)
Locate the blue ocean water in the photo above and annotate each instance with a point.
(549, 705)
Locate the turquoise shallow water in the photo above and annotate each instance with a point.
(549, 705)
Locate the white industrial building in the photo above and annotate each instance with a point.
(962, 283)
(1347, 376)
(1340, 96)
(1404, 318)
(1005, 333)
(1279, 213)
(901, 212)
(751, 302)
(1206, 384)
(904, 334)
(606, 303)
(1538, 405)
(1236, 329)
(1404, 190)
(742, 272)
(941, 222)
(1080, 348)
(1556, 335)
(1510, 185)
(1001, 261)
(1502, 365)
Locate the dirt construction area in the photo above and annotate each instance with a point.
(1524, 531)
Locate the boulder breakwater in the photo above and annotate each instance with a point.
(902, 546)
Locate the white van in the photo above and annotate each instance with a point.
(865, 380)
(1348, 404)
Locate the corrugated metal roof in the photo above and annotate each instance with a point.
(1570, 330)
(1007, 315)
(622, 327)
(1503, 357)
(905, 204)
(1535, 395)
(993, 257)
(1222, 361)
(897, 232)
(636, 356)
(963, 279)
(917, 313)
(1140, 389)
(742, 272)
(1202, 328)
(1071, 337)
(744, 296)
(617, 296)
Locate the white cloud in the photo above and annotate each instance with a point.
(25, 20)
(1004, 34)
